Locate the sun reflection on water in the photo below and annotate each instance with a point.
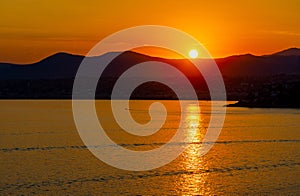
(193, 180)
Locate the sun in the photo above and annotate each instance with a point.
(193, 54)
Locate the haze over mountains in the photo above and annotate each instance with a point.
(289, 52)
(63, 65)
(53, 77)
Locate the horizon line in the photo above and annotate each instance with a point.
(152, 56)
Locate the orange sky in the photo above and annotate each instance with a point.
(32, 29)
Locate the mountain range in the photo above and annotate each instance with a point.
(64, 65)
(53, 77)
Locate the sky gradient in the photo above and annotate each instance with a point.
(31, 30)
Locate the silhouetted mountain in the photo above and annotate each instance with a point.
(289, 52)
(258, 66)
(53, 76)
(63, 65)
(60, 65)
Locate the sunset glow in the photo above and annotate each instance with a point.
(32, 31)
(149, 97)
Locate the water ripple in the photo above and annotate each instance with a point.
(142, 144)
(151, 174)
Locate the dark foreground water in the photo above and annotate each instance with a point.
(258, 152)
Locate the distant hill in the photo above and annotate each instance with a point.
(289, 52)
(258, 66)
(60, 65)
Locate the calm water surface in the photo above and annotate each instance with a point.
(258, 152)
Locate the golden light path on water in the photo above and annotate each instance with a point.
(191, 183)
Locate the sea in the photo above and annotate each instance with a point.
(42, 153)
